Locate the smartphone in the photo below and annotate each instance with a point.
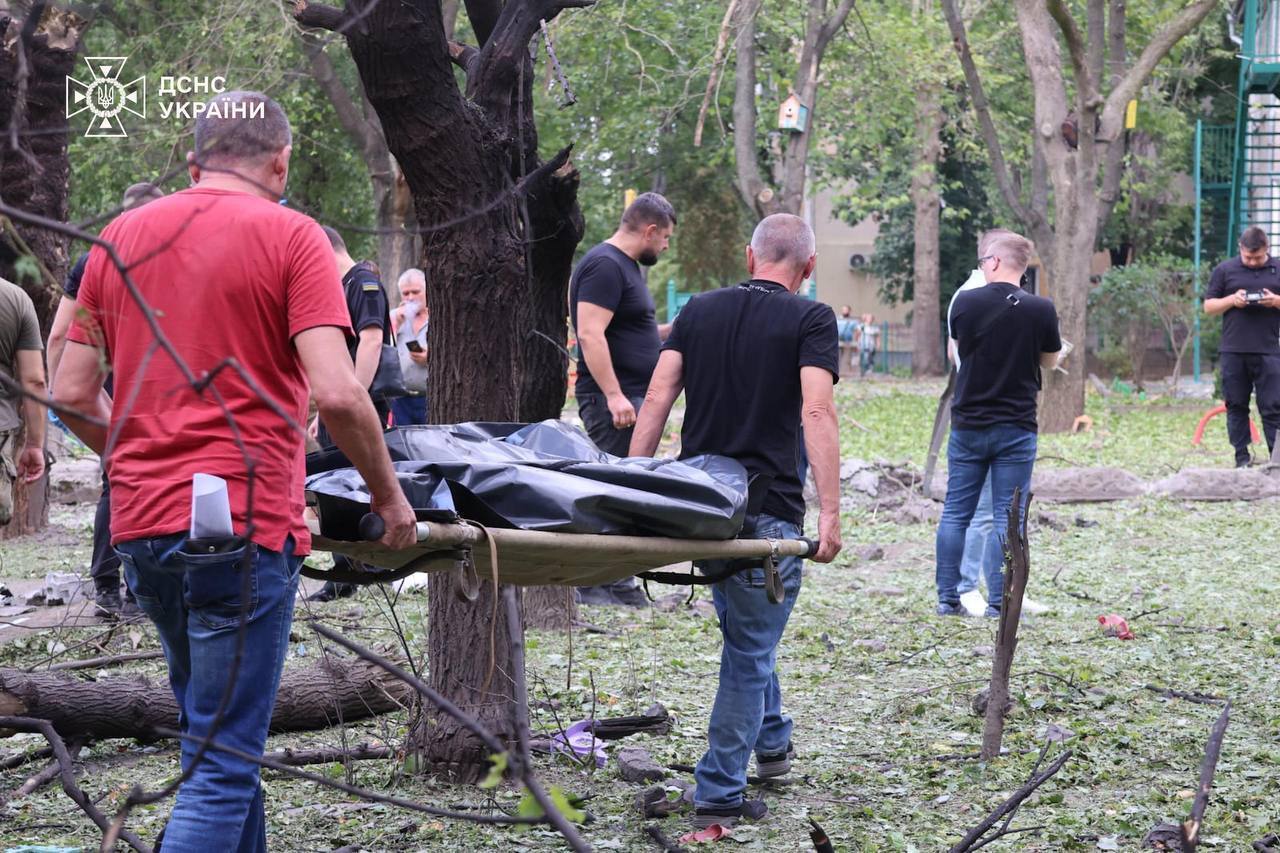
(413, 346)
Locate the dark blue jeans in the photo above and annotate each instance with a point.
(409, 410)
(1008, 453)
(195, 600)
(747, 714)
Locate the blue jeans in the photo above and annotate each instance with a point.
(981, 549)
(747, 714)
(195, 600)
(1008, 454)
(409, 410)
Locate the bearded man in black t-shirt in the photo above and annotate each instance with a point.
(1004, 337)
(618, 335)
(754, 361)
(1246, 291)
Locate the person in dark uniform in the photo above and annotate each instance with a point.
(371, 322)
(1245, 290)
(614, 317)
(104, 564)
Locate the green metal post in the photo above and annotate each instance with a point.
(1195, 361)
(671, 300)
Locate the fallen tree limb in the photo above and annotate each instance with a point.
(106, 660)
(67, 774)
(1170, 693)
(1191, 826)
(971, 840)
(134, 707)
(328, 755)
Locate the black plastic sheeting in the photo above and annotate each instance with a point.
(547, 476)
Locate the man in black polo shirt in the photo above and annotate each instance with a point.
(1004, 337)
(753, 361)
(618, 335)
(1246, 292)
(371, 322)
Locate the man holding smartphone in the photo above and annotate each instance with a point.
(1245, 290)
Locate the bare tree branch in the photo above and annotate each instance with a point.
(1113, 161)
(1086, 83)
(320, 16)
(982, 108)
(1159, 46)
(755, 193)
(366, 134)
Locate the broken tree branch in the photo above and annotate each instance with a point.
(1017, 568)
(972, 841)
(1191, 826)
(67, 775)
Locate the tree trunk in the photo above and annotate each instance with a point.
(33, 177)
(499, 228)
(1068, 273)
(397, 229)
(550, 608)
(926, 349)
(332, 692)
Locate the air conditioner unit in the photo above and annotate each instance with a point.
(857, 261)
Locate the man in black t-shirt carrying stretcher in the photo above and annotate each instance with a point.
(753, 361)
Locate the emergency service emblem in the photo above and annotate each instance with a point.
(106, 96)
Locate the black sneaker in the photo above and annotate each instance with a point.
(332, 590)
(952, 610)
(774, 764)
(728, 816)
(624, 593)
(108, 603)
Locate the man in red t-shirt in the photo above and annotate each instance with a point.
(229, 279)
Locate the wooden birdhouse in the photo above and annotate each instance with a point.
(793, 115)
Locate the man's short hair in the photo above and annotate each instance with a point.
(231, 129)
(1253, 239)
(412, 273)
(648, 209)
(140, 193)
(335, 239)
(783, 238)
(1014, 249)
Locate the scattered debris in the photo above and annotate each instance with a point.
(655, 720)
(579, 741)
(979, 703)
(636, 765)
(867, 553)
(1267, 844)
(659, 801)
(1049, 520)
(1083, 423)
(1060, 734)
(1114, 625)
(871, 644)
(1164, 836)
(1081, 521)
(712, 833)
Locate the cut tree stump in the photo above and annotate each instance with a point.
(333, 691)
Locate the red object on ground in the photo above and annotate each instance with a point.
(1115, 626)
(1209, 415)
(712, 833)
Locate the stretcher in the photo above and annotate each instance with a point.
(535, 558)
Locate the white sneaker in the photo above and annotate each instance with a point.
(1033, 607)
(973, 603)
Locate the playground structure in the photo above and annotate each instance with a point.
(1237, 167)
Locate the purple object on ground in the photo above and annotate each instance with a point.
(579, 740)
